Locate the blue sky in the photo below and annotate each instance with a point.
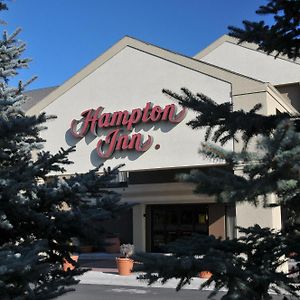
(63, 36)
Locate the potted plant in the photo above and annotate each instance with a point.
(68, 265)
(124, 262)
(205, 274)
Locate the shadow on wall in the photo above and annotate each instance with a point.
(163, 126)
(131, 155)
(70, 139)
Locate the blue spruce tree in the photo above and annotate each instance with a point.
(248, 266)
(40, 215)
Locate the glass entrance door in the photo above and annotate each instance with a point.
(170, 222)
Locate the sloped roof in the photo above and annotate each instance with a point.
(35, 96)
(232, 40)
(246, 59)
(240, 83)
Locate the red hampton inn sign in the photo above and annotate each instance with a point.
(93, 121)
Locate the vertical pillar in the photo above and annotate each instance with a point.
(216, 218)
(248, 215)
(139, 227)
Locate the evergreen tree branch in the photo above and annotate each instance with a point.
(233, 263)
(282, 37)
(41, 213)
(221, 123)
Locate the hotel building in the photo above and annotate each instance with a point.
(114, 111)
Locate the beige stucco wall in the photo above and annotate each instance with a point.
(129, 80)
(247, 214)
(253, 63)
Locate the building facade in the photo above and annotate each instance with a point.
(115, 113)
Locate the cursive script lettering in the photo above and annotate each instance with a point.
(93, 120)
(114, 142)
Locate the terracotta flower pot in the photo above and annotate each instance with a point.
(113, 245)
(67, 265)
(205, 274)
(125, 265)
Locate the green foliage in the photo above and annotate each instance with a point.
(40, 214)
(250, 265)
(222, 124)
(246, 266)
(282, 36)
(272, 168)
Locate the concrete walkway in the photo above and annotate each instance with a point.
(104, 271)
(96, 277)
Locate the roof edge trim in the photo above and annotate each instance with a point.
(183, 60)
(250, 46)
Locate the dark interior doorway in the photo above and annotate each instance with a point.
(166, 223)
